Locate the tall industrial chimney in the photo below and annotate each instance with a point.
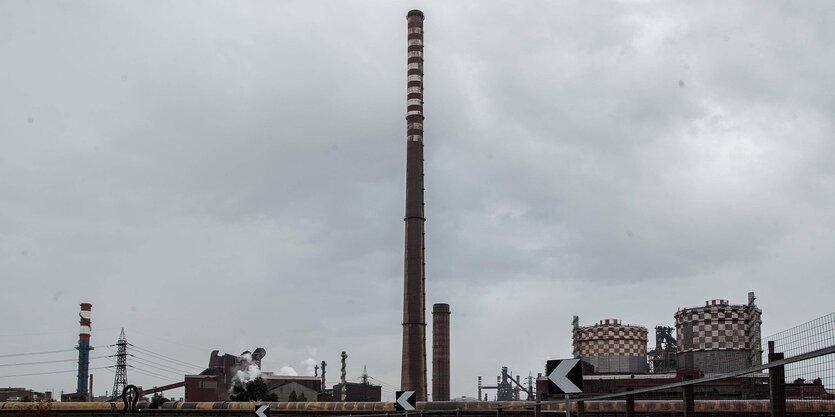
(413, 366)
(84, 347)
(440, 352)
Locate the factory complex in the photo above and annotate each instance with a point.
(707, 340)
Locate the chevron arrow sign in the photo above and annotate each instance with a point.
(565, 376)
(405, 401)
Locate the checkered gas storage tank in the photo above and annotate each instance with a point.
(612, 347)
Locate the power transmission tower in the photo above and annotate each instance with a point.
(121, 379)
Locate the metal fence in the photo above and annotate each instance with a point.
(805, 338)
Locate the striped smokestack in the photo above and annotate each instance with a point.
(84, 347)
(440, 352)
(413, 366)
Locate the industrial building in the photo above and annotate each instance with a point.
(216, 381)
(306, 388)
(719, 337)
(715, 338)
(23, 395)
(358, 392)
(611, 347)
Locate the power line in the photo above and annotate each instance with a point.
(166, 366)
(384, 384)
(43, 362)
(50, 373)
(163, 357)
(10, 355)
(167, 341)
(152, 374)
(158, 368)
(49, 333)
(166, 358)
(170, 364)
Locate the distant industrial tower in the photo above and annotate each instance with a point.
(663, 357)
(505, 388)
(84, 348)
(413, 365)
(121, 379)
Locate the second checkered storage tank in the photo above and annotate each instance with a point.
(719, 337)
(612, 347)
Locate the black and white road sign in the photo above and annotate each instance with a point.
(565, 376)
(263, 411)
(405, 401)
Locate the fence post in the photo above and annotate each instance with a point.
(537, 409)
(776, 383)
(581, 408)
(630, 405)
(689, 401)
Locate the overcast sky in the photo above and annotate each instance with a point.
(229, 175)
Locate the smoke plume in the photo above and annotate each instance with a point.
(248, 371)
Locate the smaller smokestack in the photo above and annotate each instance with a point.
(90, 391)
(344, 390)
(518, 384)
(479, 387)
(84, 348)
(316, 370)
(440, 352)
(575, 341)
(323, 375)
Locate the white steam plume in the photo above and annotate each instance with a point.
(309, 365)
(287, 371)
(249, 370)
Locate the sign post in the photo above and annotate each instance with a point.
(565, 376)
(567, 407)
